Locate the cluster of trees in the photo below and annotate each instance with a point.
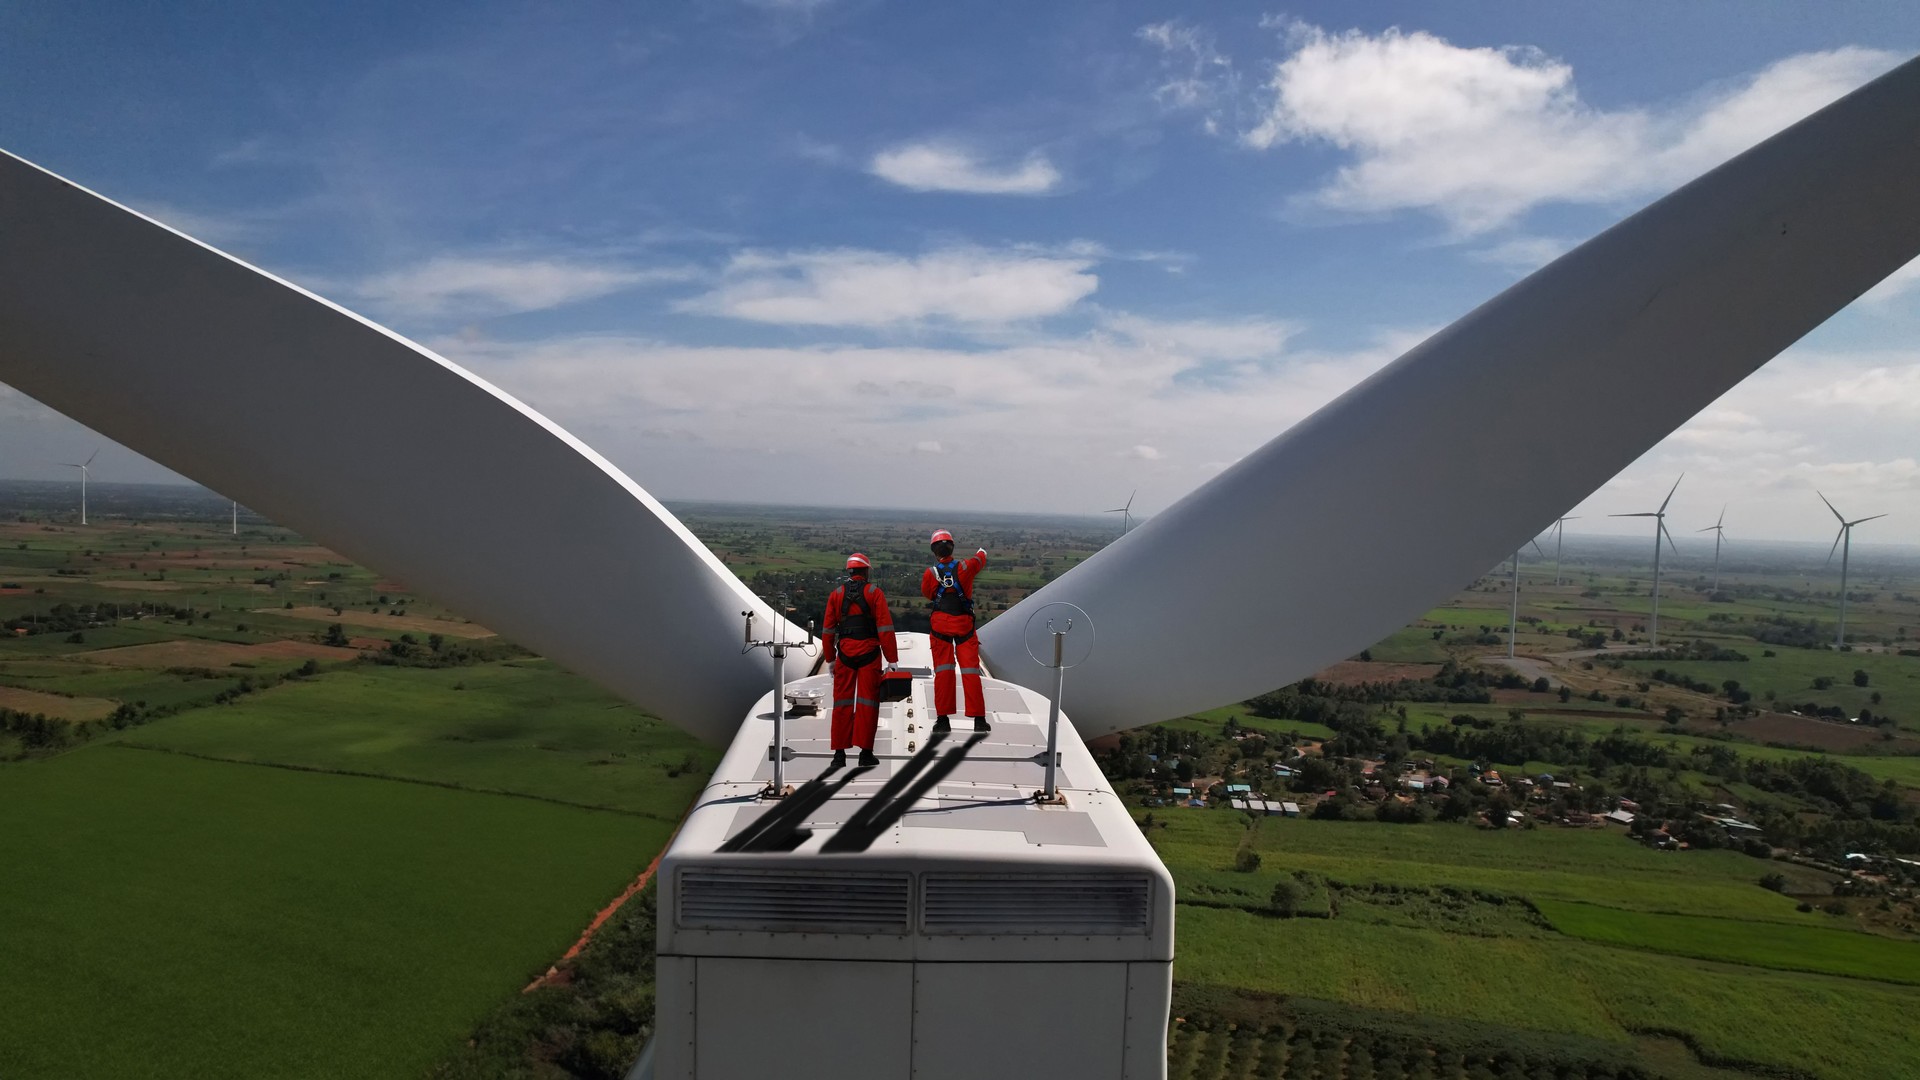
(65, 618)
(439, 651)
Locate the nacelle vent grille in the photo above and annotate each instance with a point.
(836, 902)
(1036, 904)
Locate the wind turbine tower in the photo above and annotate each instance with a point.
(1843, 541)
(1513, 616)
(236, 517)
(1559, 543)
(1659, 530)
(83, 466)
(1125, 512)
(1718, 529)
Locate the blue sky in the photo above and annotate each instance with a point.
(1019, 257)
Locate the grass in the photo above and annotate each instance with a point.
(1837, 1027)
(524, 727)
(1789, 948)
(172, 916)
(1555, 864)
(1789, 673)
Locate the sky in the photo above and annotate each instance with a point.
(967, 256)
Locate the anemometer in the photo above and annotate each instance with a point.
(778, 646)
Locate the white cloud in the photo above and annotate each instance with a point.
(847, 287)
(223, 230)
(1524, 253)
(454, 285)
(939, 166)
(1243, 339)
(1478, 136)
(1197, 75)
(1893, 287)
(1090, 409)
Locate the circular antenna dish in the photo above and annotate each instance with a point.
(1068, 620)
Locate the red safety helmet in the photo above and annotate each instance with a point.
(939, 535)
(857, 561)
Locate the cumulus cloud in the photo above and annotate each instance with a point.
(1097, 408)
(455, 285)
(1480, 135)
(847, 287)
(940, 166)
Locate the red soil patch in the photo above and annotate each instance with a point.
(419, 624)
(55, 705)
(1807, 731)
(1354, 672)
(209, 654)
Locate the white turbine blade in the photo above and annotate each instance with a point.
(1836, 513)
(91, 456)
(1670, 491)
(1671, 546)
(1864, 520)
(1672, 307)
(1536, 548)
(1722, 519)
(1648, 513)
(238, 380)
(1836, 544)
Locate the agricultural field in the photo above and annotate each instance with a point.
(221, 752)
(169, 916)
(1581, 941)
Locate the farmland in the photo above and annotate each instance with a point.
(244, 745)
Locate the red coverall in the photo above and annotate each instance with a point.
(856, 667)
(946, 651)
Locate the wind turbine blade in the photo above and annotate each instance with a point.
(237, 379)
(1836, 544)
(1836, 513)
(1646, 514)
(1675, 305)
(91, 456)
(1130, 495)
(1864, 520)
(1670, 491)
(1710, 528)
(1722, 519)
(1536, 548)
(1671, 546)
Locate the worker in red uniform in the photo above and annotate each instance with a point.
(859, 630)
(949, 584)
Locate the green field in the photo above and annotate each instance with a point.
(1492, 962)
(523, 727)
(253, 922)
(1789, 948)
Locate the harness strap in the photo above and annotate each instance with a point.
(951, 639)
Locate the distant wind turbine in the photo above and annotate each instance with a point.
(1843, 541)
(1125, 512)
(236, 517)
(82, 466)
(1659, 530)
(1513, 617)
(1560, 543)
(1718, 529)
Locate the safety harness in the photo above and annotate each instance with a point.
(950, 598)
(856, 625)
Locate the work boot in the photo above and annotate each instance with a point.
(839, 760)
(941, 725)
(980, 724)
(867, 760)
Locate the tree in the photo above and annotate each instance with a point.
(1859, 677)
(1566, 694)
(336, 636)
(1777, 882)
(1541, 685)
(1286, 897)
